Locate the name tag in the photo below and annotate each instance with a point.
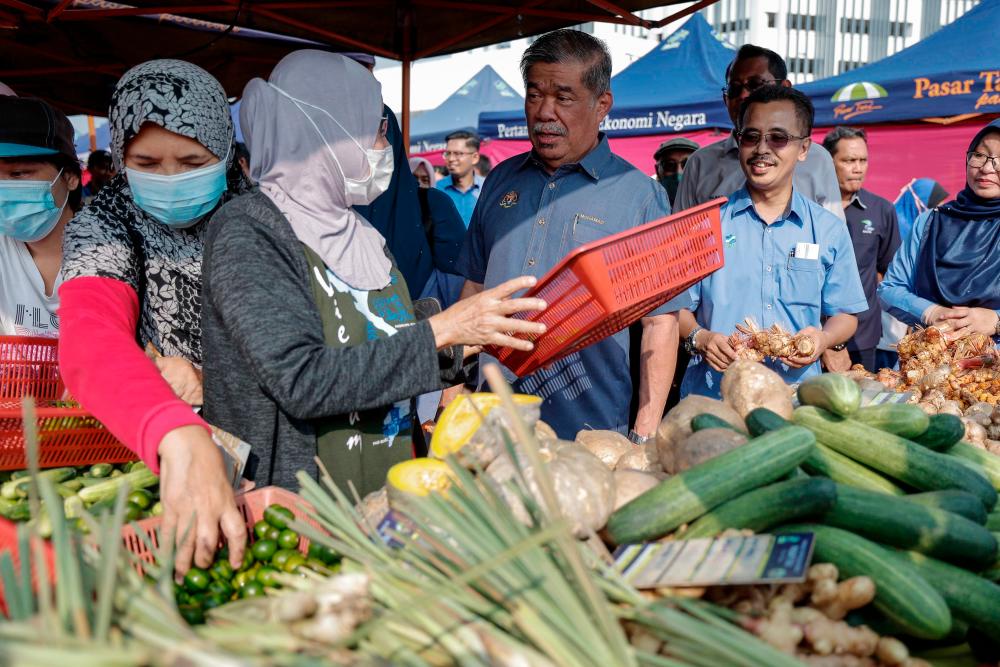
(806, 251)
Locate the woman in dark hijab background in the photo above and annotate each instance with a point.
(949, 269)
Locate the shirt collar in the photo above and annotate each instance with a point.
(740, 201)
(592, 164)
(856, 199)
(477, 181)
(730, 144)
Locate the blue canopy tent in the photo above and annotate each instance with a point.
(951, 72)
(676, 87)
(486, 91)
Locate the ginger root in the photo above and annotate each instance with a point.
(850, 594)
(827, 636)
(892, 652)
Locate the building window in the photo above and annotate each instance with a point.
(801, 65)
(899, 29)
(772, 19)
(803, 22)
(848, 65)
(864, 27)
(734, 26)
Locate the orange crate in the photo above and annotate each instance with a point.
(251, 504)
(29, 366)
(602, 287)
(8, 543)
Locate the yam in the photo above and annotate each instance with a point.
(630, 484)
(644, 458)
(747, 385)
(676, 426)
(704, 445)
(608, 446)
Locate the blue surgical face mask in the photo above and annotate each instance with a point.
(180, 200)
(28, 211)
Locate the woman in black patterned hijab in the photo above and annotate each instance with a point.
(132, 280)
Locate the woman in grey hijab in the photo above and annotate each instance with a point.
(312, 345)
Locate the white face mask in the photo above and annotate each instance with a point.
(380, 161)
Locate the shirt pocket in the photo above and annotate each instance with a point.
(588, 228)
(802, 283)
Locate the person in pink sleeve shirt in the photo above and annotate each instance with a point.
(132, 278)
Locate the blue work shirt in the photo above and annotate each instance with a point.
(527, 220)
(465, 202)
(763, 280)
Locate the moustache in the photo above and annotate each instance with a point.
(549, 128)
(760, 157)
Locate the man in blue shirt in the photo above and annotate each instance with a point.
(568, 191)
(463, 183)
(789, 261)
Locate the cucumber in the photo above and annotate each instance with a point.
(900, 523)
(18, 488)
(830, 463)
(903, 419)
(101, 469)
(993, 520)
(958, 502)
(15, 510)
(943, 431)
(706, 421)
(970, 597)
(761, 420)
(901, 594)
(988, 463)
(687, 495)
(897, 457)
(138, 479)
(836, 393)
(767, 506)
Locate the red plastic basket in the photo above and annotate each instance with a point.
(8, 543)
(67, 435)
(602, 287)
(251, 504)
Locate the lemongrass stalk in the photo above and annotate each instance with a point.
(108, 566)
(26, 559)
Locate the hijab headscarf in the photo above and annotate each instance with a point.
(298, 152)
(916, 197)
(960, 255)
(422, 161)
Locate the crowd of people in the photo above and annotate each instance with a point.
(283, 288)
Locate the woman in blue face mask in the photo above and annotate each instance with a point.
(132, 270)
(312, 345)
(39, 192)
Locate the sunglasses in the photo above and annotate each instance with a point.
(735, 87)
(776, 140)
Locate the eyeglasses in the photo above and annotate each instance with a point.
(735, 87)
(977, 160)
(673, 164)
(776, 140)
(450, 154)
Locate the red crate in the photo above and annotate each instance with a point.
(251, 504)
(8, 543)
(67, 435)
(602, 287)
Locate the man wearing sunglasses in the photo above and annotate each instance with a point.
(789, 261)
(714, 171)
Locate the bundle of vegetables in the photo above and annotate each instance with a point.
(92, 487)
(893, 494)
(751, 343)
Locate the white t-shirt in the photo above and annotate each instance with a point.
(25, 309)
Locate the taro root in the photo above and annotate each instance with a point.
(676, 426)
(608, 446)
(747, 385)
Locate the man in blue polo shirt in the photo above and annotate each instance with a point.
(463, 183)
(789, 261)
(568, 191)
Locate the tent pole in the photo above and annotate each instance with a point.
(406, 105)
(93, 133)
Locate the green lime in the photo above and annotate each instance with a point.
(261, 529)
(248, 560)
(323, 553)
(278, 516)
(293, 562)
(142, 498)
(221, 570)
(132, 512)
(281, 557)
(220, 587)
(196, 580)
(193, 614)
(288, 539)
(213, 600)
(252, 589)
(241, 579)
(156, 509)
(264, 550)
(267, 576)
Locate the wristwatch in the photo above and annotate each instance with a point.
(689, 341)
(996, 329)
(838, 347)
(637, 439)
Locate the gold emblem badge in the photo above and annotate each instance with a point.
(509, 199)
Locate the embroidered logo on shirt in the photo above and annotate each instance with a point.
(869, 228)
(509, 199)
(730, 240)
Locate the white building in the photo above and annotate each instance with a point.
(818, 38)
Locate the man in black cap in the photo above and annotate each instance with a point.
(671, 158)
(39, 193)
(101, 168)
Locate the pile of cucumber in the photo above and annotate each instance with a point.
(888, 491)
(92, 488)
